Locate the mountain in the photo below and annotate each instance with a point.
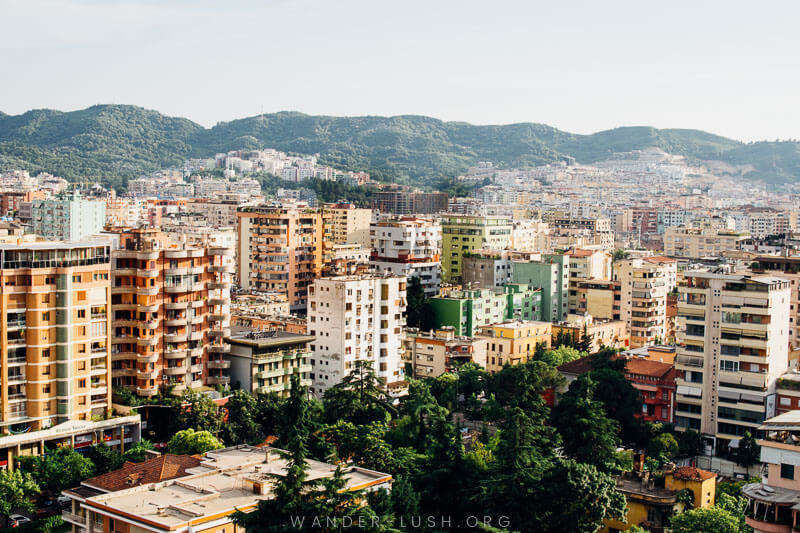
(117, 142)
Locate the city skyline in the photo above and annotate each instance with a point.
(581, 68)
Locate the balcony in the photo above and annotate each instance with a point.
(219, 300)
(180, 321)
(695, 362)
(175, 370)
(75, 519)
(146, 341)
(216, 332)
(144, 391)
(147, 273)
(177, 271)
(123, 356)
(181, 287)
(175, 337)
(175, 354)
(17, 379)
(15, 324)
(220, 268)
(218, 380)
(217, 317)
(146, 374)
(220, 250)
(147, 291)
(218, 364)
(219, 285)
(219, 348)
(196, 336)
(147, 358)
(196, 368)
(176, 305)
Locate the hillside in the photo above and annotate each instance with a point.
(117, 142)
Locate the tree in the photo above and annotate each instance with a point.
(589, 435)
(405, 500)
(104, 458)
(198, 412)
(138, 452)
(16, 490)
(559, 356)
(703, 520)
(749, 452)
(663, 447)
(586, 341)
(269, 412)
(523, 385)
(360, 397)
(621, 401)
(240, 425)
(418, 309)
(191, 442)
(690, 442)
(422, 409)
(58, 469)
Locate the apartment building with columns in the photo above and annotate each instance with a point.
(171, 311)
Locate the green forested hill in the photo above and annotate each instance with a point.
(117, 142)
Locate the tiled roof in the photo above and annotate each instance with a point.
(161, 468)
(691, 473)
(659, 259)
(647, 367)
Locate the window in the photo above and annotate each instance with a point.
(729, 366)
(81, 383)
(46, 316)
(46, 389)
(786, 401)
(49, 281)
(81, 313)
(46, 353)
(76, 278)
(787, 471)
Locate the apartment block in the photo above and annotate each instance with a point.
(263, 362)
(171, 310)
(485, 268)
(733, 348)
(551, 274)
(644, 285)
(463, 233)
(348, 224)
(599, 298)
(280, 248)
(467, 310)
(513, 342)
(409, 203)
(698, 242)
(603, 332)
(411, 247)
(787, 268)
(55, 339)
(586, 265)
(67, 218)
(436, 352)
(356, 318)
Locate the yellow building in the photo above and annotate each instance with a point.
(612, 333)
(463, 233)
(651, 506)
(513, 342)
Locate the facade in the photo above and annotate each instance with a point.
(774, 503)
(487, 270)
(348, 224)
(733, 344)
(410, 247)
(697, 242)
(264, 361)
(279, 249)
(226, 481)
(789, 269)
(463, 233)
(55, 340)
(513, 342)
(466, 310)
(69, 218)
(604, 333)
(551, 274)
(437, 352)
(171, 310)
(599, 298)
(410, 203)
(356, 318)
(644, 285)
(586, 265)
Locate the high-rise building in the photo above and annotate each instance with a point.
(67, 218)
(733, 347)
(787, 268)
(55, 335)
(463, 233)
(644, 284)
(348, 224)
(356, 318)
(171, 310)
(410, 247)
(280, 249)
(586, 265)
(698, 242)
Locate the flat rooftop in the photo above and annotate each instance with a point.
(220, 485)
(265, 339)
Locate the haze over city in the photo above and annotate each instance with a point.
(725, 67)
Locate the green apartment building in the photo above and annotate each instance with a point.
(552, 276)
(467, 310)
(462, 233)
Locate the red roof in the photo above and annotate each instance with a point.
(161, 468)
(690, 473)
(659, 259)
(646, 367)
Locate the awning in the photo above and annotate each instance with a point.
(648, 388)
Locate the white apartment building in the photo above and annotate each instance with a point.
(68, 218)
(356, 318)
(348, 224)
(409, 247)
(644, 284)
(530, 236)
(733, 346)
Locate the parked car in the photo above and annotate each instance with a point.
(15, 520)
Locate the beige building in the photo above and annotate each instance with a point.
(514, 342)
(644, 284)
(789, 269)
(437, 352)
(171, 310)
(697, 242)
(733, 347)
(530, 236)
(348, 224)
(56, 333)
(604, 333)
(584, 265)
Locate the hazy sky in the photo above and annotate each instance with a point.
(729, 67)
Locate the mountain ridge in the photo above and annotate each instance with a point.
(118, 142)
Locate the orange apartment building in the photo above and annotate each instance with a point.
(55, 336)
(171, 311)
(280, 248)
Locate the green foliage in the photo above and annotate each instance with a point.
(125, 396)
(418, 309)
(138, 452)
(240, 426)
(360, 397)
(749, 452)
(686, 497)
(190, 442)
(558, 356)
(119, 142)
(16, 490)
(690, 442)
(197, 411)
(104, 458)
(663, 445)
(734, 488)
(701, 520)
(58, 469)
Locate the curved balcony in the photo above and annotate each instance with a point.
(217, 317)
(123, 289)
(123, 372)
(175, 370)
(196, 336)
(175, 337)
(220, 250)
(147, 291)
(213, 285)
(149, 324)
(178, 271)
(196, 368)
(220, 268)
(124, 339)
(146, 391)
(147, 374)
(197, 319)
(172, 289)
(196, 352)
(153, 308)
(196, 270)
(123, 356)
(175, 354)
(219, 300)
(176, 254)
(218, 380)
(218, 348)
(218, 364)
(147, 358)
(178, 388)
(125, 272)
(147, 272)
(129, 322)
(176, 305)
(175, 321)
(146, 341)
(220, 332)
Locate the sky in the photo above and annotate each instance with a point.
(731, 68)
